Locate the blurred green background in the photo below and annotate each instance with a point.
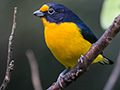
(29, 35)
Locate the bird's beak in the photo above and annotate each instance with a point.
(38, 13)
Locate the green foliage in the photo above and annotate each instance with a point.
(110, 9)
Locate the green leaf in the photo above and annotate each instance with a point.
(110, 9)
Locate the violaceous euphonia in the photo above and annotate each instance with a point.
(66, 35)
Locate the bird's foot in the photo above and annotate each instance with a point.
(80, 59)
(62, 76)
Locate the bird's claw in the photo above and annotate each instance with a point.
(61, 76)
(80, 59)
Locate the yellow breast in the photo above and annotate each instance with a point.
(65, 42)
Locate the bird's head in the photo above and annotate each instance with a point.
(56, 13)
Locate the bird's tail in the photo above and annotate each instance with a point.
(106, 61)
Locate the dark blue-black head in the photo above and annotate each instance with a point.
(56, 13)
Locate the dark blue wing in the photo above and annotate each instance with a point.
(87, 33)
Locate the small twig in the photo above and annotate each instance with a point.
(11, 38)
(10, 61)
(114, 75)
(34, 70)
(94, 51)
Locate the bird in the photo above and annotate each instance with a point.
(66, 35)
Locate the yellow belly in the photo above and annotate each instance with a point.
(66, 42)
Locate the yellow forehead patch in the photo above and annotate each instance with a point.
(44, 8)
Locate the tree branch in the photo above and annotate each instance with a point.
(114, 75)
(34, 70)
(94, 51)
(10, 61)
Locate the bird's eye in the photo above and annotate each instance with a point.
(51, 11)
